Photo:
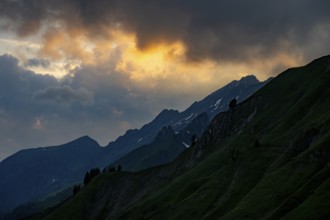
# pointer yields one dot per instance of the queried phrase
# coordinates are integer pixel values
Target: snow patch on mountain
(191, 116)
(216, 105)
(186, 119)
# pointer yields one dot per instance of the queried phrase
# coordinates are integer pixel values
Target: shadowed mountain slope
(166, 146)
(34, 173)
(267, 158)
(212, 104)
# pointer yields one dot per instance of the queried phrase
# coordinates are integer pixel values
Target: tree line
(89, 175)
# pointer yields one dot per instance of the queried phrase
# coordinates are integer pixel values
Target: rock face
(163, 149)
(179, 122)
(267, 158)
(166, 146)
(212, 105)
(165, 133)
(133, 139)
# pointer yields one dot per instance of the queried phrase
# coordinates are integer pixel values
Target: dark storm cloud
(212, 29)
(17, 84)
(17, 109)
(35, 62)
(38, 110)
(101, 102)
(64, 95)
(114, 94)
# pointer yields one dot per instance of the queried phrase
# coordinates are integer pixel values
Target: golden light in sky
(149, 67)
(156, 64)
(161, 66)
(139, 57)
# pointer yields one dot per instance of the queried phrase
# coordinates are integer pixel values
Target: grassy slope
(151, 154)
(285, 176)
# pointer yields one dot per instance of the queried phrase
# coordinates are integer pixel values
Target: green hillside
(268, 158)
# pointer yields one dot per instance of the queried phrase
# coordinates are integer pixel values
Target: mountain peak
(84, 140)
(167, 111)
(244, 81)
(166, 116)
(249, 79)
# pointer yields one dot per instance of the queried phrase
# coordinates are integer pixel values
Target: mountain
(34, 208)
(162, 150)
(218, 101)
(212, 105)
(133, 139)
(39, 172)
(166, 146)
(34, 173)
(266, 158)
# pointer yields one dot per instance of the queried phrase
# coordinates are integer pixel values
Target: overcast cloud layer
(123, 61)
(38, 110)
(221, 30)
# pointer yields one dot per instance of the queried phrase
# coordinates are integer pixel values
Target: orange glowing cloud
(160, 65)
(154, 62)
(66, 44)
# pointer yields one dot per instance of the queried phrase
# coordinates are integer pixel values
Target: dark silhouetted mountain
(27, 210)
(166, 146)
(163, 149)
(133, 139)
(34, 173)
(266, 158)
(41, 171)
(218, 101)
(212, 105)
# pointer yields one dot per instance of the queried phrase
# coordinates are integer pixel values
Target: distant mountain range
(33, 174)
(192, 121)
(212, 105)
(266, 158)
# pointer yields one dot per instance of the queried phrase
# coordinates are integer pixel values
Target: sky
(70, 68)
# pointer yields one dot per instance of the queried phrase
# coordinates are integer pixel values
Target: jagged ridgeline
(265, 158)
(50, 170)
